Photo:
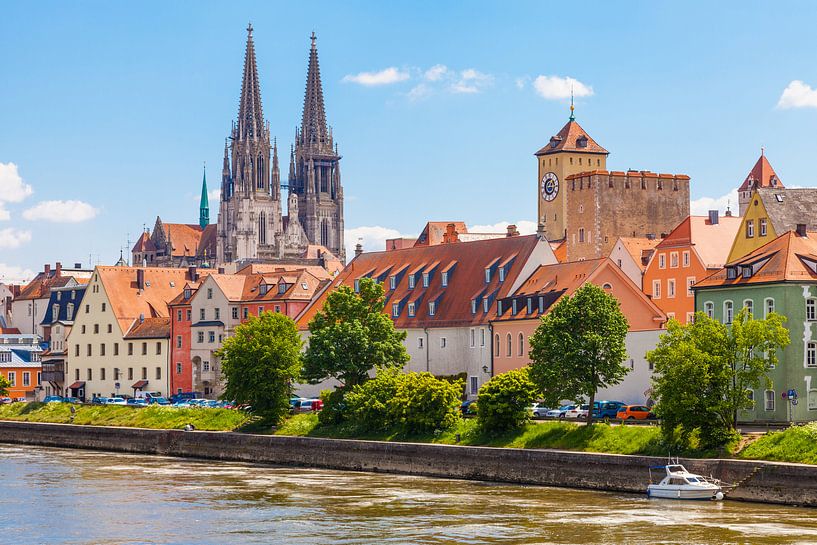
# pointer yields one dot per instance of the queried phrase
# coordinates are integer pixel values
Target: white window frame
(395, 310)
(750, 305)
(763, 226)
(486, 304)
(811, 399)
(811, 309)
(473, 385)
(673, 260)
(811, 354)
(690, 282)
(392, 282)
(411, 310)
(728, 312)
(685, 258)
(767, 398)
(444, 279)
(662, 261)
(419, 342)
(473, 337)
(411, 281)
(670, 288)
(768, 306)
(750, 228)
(656, 289)
(432, 308)
(426, 279)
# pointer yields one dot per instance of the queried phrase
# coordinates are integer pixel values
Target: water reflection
(82, 497)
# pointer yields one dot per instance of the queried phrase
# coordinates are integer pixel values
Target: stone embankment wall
(793, 484)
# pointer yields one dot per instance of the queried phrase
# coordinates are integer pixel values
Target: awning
(139, 384)
(77, 385)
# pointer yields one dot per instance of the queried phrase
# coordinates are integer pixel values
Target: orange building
(698, 247)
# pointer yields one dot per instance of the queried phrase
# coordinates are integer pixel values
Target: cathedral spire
(250, 114)
(275, 182)
(204, 207)
(313, 123)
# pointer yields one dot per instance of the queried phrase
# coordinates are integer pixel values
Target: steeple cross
(249, 28)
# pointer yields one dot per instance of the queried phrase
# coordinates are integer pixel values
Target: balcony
(53, 372)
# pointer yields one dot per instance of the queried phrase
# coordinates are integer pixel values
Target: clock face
(550, 186)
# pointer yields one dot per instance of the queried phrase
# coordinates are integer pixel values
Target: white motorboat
(680, 484)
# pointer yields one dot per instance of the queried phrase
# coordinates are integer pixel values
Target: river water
(58, 496)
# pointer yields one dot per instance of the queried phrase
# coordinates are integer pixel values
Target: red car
(308, 406)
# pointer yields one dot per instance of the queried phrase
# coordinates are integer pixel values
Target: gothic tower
(249, 218)
(315, 168)
(204, 206)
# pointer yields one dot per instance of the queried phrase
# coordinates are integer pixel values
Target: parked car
(537, 410)
(579, 411)
(635, 412)
(468, 406)
(53, 399)
(308, 405)
(560, 412)
(99, 400)
(184, 396)
(74, 400)
(115, 401)
(157, 401)
(5, 400)
(606, 409)
(133, 402)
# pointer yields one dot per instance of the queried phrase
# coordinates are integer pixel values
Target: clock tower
(569, 152)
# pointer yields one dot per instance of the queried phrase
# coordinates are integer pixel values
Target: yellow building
(570, 151)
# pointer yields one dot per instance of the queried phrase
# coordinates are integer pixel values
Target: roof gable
(572, 137)
(761, 175)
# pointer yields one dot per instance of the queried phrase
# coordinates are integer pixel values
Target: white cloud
(12, 187)
(436, 72)
(13, 274)
(386, 76)
(798, 95)
(61, 212)
(701, 206)
(556, 87)
(419, 91)
(14, 238)
(373, 238)
(525, 227)
(4, 214)
(471, 81)
(521, 82)
(213, 196)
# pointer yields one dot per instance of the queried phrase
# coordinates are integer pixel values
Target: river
(59, 496)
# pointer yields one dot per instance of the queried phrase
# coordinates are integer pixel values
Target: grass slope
(796, 444)
(154, 416)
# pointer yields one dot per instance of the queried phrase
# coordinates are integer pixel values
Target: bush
(369, 404)
(504, 401)
(425, 403)
(335, 408)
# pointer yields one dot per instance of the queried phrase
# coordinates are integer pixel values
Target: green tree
(4, 386)
(579, 347)
(351, 336)
(425, 403)
(504, 401)
(260, 363)
(704, 371)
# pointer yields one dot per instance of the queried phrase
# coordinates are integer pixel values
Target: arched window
(259, 173)
(262, 228)
(768, 305)
(325, 232)
(496, 347)
(728, 311)
(709, 309)
(510, 346)
(521, 345)
(750, 306)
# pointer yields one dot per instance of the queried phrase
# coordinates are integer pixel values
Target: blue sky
(109, 109)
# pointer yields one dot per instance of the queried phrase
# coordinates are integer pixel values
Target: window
(811, 310)
(728, 311)
(246, 312)
(13, 378)
(581, 234)
(671, 288)
(444, 279)
(763, 229)
(83, 329)
(158, 348)
(770, 399)
(487, 275)
(178, 368)
(130, 349)
(205, 366)
(178, 315)
(411, 310)
(76, 350)
(145, 349)
(690, 283)
(442, 342)
(102, 349)
(110, 328)
(90, 373)
(116, 375)
(144, 373)
(768, 307)
(395, 310)
(115, 349)
(392, 282)
(178, 341)
(411, 281)
(509, 345)
(474, 385)
(103, 307)
(496, 345)
(530, 302)
(486, 303)
(102, 374)
(656, 289)
(473, 337)
(76, 374)
(234, 312)
(749, 305)
(26, 378)
(482, 336)
(686, 258)
(750, 395)
(750, 228)
(432, 308)
(673, 260)
(670, 316)
(419, 342)
(88, 350)
(425, 279)
(502, 274)
(70, 311)
(662, 261)
(211, 336)
(96, 329)
(811, 354)
(189, 314)
(357, 286)
(690, 317)
(209, 293)
(202, 314)
(473, 306)
(158, 373)
(521, 345)
(218, 313)
(260, 310)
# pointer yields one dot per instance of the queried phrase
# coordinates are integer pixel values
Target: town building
(7, 294)
(119, 343)
(20, 363)
(250, 221)
(762, 175)
(443, 232)
(181, 314)
(698, 247)
(632, 255)
(770, 213)
(518, 314)
(56, 325)
(780, 276)
(29, 307)
(443, 297)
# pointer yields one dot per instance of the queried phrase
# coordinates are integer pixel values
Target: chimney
(358, 249)
(512, 231)
(713, 217)
(47, 269)
(191, 271)
(77, 265)
(220, 270)
(140, 279)
(59, 269)
(650, 236)
(801, 229)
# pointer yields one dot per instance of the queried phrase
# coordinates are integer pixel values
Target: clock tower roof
(574, 138)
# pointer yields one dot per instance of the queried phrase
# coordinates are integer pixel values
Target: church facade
(251, 223)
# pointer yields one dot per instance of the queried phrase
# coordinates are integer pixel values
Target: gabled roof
(454, 300)
(788, 258)
(559, 248)
(149, 328)
(144, 244)
(761, 175)
(42, 284)
(640, 249)
(711, 241)
(788, 207)
(570, 138)
(231, 285)
(434, 232)
(62, 298)
(273, 268)
(185, 239)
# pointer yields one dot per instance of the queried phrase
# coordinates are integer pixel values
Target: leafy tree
(704, 371)
(369, 404)
(4, 386)
(504, 400)
(579, 347)
(260, 363)
(425, 403)
(351, 336)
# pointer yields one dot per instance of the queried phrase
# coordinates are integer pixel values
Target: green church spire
(204, 207)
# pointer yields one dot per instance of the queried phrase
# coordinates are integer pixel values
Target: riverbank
(768, 482)
(154, 416)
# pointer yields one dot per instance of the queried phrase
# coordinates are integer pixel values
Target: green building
(781, 277)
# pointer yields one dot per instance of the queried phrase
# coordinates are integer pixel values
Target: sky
(109, 110)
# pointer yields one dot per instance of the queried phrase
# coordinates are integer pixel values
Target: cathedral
(251, 224)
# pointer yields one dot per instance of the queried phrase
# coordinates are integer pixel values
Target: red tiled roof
(454, 305)
(712, 242)
(149, 328)
(184, 238)
(272, 268)
(143, 244)
(640, 249)
(568, 139)
(40, 287)
(762, 175)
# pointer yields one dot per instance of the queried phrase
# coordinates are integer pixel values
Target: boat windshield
(676, 469)
(692, 480)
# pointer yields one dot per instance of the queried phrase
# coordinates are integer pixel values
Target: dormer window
(747, 271)
(499, 307)
(411, 310)
(425, 279)
(485, 304)
(392, 282)
(488, 275)
(411, 281)
(513, 307)
(530, 305)
(432, 308)
(731, 273)
(187, 293)
(473, 306)
(282, 288)
(581, 141)
(502, 274)
(395, 310)
(262, 289)
(444, 279)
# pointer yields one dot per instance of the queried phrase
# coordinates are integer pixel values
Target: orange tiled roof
(434, 231)
(272, 268)
(569, 139)
(761, 175)
(788, 258)
(150, 328)
(559, 248)
(184, 238)
(465, 280)
(232, 285)
(143, 244)
(712, 242)
(40, 287)
(640, 249)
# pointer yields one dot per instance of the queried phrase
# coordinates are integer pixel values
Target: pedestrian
(73, 413)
